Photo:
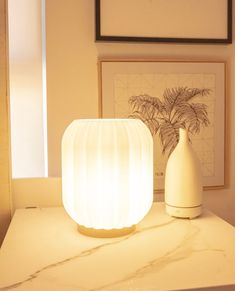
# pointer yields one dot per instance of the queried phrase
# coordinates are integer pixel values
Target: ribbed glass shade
(107, 172)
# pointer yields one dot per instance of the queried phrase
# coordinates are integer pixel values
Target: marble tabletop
(43, 251)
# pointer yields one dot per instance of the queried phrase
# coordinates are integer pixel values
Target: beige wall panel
(71, 70)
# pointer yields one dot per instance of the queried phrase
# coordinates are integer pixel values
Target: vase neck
(183, 135)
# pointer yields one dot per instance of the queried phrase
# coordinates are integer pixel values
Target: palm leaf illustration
(147, 109)
(194, 115)
(175, 110)
(146, 104)
(169, 136)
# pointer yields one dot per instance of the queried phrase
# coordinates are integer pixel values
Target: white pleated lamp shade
(107, 172)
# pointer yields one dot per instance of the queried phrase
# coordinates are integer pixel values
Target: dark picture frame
(107, 28)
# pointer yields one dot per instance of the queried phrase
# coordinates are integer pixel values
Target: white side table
(44, 252)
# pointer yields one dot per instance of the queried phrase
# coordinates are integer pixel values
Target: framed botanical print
(167, 95)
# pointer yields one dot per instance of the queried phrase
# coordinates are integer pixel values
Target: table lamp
(107, 175)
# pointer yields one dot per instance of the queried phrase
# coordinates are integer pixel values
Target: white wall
(73, 83)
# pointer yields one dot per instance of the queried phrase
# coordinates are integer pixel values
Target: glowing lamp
(107, 174)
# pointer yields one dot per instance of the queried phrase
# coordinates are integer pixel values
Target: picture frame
(148, 21)
(129, 87)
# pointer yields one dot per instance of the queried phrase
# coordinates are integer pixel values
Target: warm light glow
(27, 82)
(107, 172)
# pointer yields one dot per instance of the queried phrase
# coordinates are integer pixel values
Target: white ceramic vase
(183, 180)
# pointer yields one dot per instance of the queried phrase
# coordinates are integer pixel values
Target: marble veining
(164, 253)
(87, 253)
(180, 252)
